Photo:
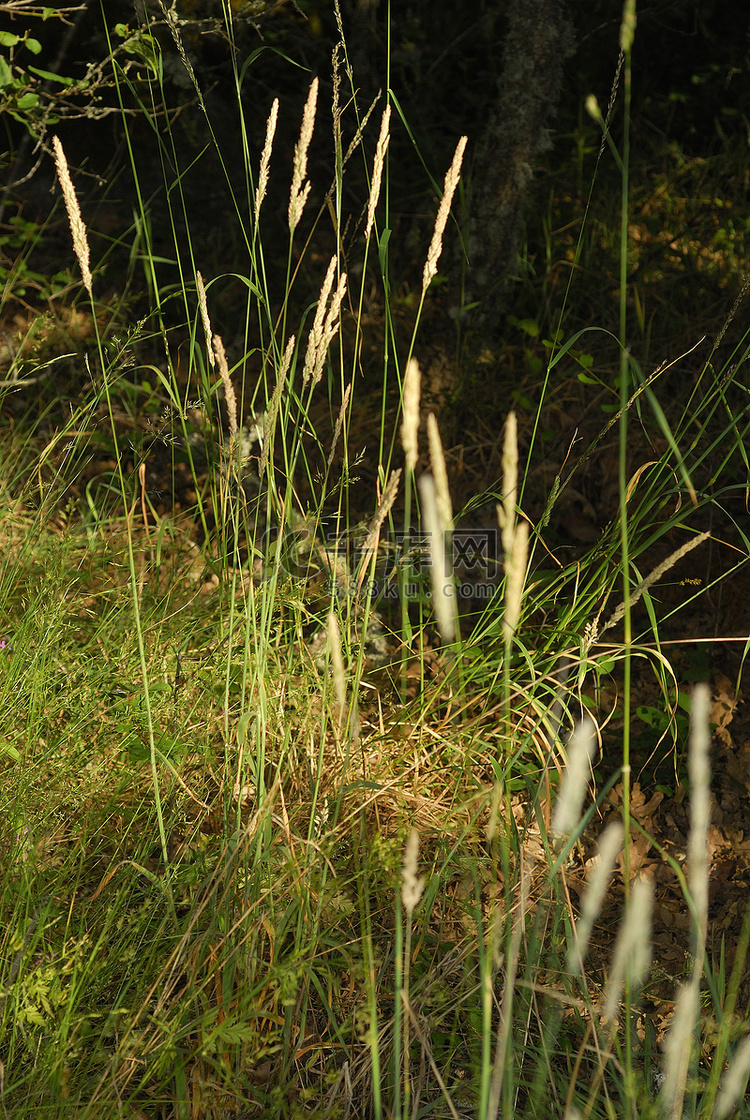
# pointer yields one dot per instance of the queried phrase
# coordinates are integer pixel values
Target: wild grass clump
(273, 847)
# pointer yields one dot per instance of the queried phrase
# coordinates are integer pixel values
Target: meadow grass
(246, 873)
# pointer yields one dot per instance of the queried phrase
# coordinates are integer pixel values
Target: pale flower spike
(449, 189)
(337, 664)
(315, 338)
(580, 752)
(602, 865)
(299, 192)
(77, 227)
(410, 422)
(203, 305)
(632, 957)
(377, 168)
(440, 570)
(515, 577)
(507, 511)
(699, 772)
(229, 394)
(412, 885)
(265, 158)
(440, 473)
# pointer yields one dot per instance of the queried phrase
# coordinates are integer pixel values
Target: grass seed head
(377, 168)
(515, 577)
(339, 424)
(410, 422)
(229, 394)
(203, 306)
(441, 576)
(610, 843)
(449, 189)
(581, 748)
(735, 1081)
(299, 192)
(699, 771)
(331, 326)
(412, 885)
(370, 543)
(337, 664)
(678, 1046)
(439, 473)
(265, 158)
(632, 956)
(506, 513)
(77, 227)
(325, 325)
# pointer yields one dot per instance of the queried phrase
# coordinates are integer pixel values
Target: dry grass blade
(273, 407)
(653, 577)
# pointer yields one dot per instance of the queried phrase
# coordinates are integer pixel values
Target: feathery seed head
(77, 227)
(410, 422)
(581, 748)
(610, 843)
(507, 512)
(515, 577)
(203, 306)
(699, 771)
(298, 194)
(315, 338)
(377, 168)
(337, 664)
(439, 473)
(325, 325)
(412, 885)
(265, 158)
(678, 1046)
(632, 956)
(229, 394)
(440, 573)
(449, 188)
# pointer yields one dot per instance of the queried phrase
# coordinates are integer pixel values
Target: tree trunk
(538, 41)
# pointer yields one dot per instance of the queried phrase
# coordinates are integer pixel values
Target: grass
(249, 872)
